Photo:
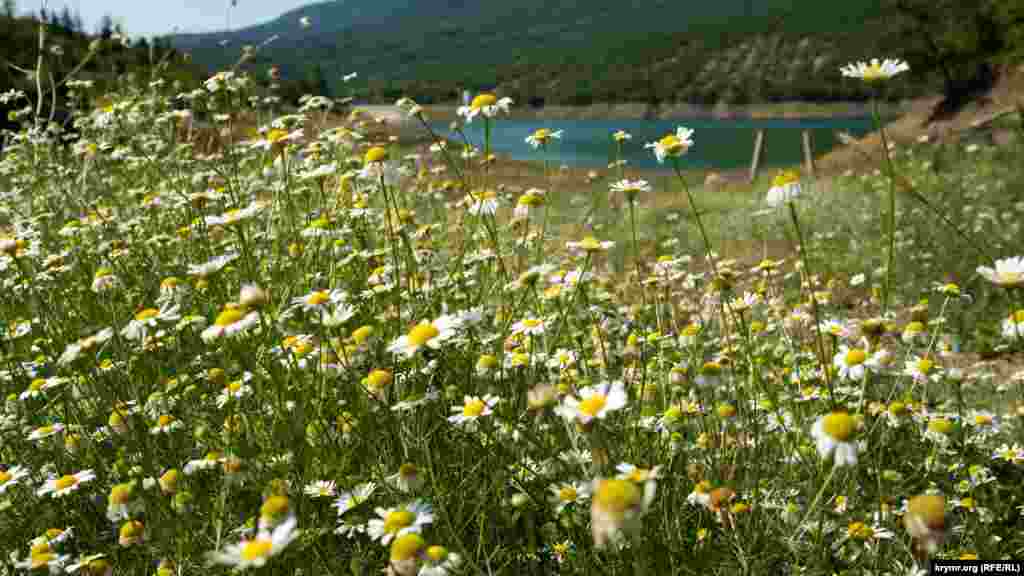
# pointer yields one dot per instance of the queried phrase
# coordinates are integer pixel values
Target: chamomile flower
(851, 362)
(487, 104)
(834, 434)
(320, 489)
(395, 522)
(921, 369)
(593, 402)
(1013, 327)
(87, 344)
(432, 334)
(529, 326)
(1008, 273)
(631, 188)
(482, 202)
(615, 510)
(438, 561)
(407, 479)
(590, 244)
(621, 136)
(875, 71)
(11, 477)
(232, 321)
(212, 266)
(64, 485)
(925, 520)
(542, 136)
(256, 552)
(785, 187)
(567, 494)
(672, 145)
(472, 409)
(148, 320)
(46, 431)
(349, 500)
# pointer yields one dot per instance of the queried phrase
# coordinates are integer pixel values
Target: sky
(156, 17)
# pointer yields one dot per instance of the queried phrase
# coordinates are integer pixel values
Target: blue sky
(153, 17)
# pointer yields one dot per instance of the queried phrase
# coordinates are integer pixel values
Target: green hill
(572, 52)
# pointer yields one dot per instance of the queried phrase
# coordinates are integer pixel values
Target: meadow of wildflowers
(305, 353)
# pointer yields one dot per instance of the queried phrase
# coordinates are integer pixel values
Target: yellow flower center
(855, 357)
(473, 408)
(786, 177)
(930, 509)
(254, 549)
(839, 425)
(897, 408)
(395, 521)
(37, 384)
(482, 100)
(317, 298)
(860, 531)
(5, 477)
(379, 378)
(361, 334)
(593, 404)
(940, 426)
(276, 135)
(235, 386)
(726, 410)
(376, 154)
(274, 506)
(120, 494)
(590, 244)
(406, 547)
(567, 494)
(616, 496)
(437, 553)
(532, 322)
(42, 559)
(66, 482)
(422, 334)
(228, 317)
(671, 144)
(924, 365)
(487, 362)
(165, 420)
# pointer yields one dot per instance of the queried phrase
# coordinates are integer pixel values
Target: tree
(105, 29)
(10, 8)
(958, 40)
(66, 21)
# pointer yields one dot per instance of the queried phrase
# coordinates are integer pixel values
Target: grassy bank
(300, 349)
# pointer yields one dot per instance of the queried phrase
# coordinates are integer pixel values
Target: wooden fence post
(808, 154)
(758, 146)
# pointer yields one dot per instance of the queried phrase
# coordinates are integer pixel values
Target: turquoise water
(719, 144)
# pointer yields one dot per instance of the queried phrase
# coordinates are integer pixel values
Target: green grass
(419, 354)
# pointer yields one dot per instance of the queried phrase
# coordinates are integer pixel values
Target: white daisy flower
(394, 522)
(430, 334)
(320, 489)
(529, 326)
(46, 431)
(542, 136)
(593, 402)
(487, 104)
(568, 493)
(631, 188)
(851, 362)
(673, 145)
(482, 202)
(472, 409)
(1013, 327)
(230, 322)
(349, 500)
(10, 477)
(875, 70)
(215, 265)
(148, 320)
(58, 487)
(1007, 273)
(833, 433)
(256, 552)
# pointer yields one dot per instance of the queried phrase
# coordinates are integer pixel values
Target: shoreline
(683, 111)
